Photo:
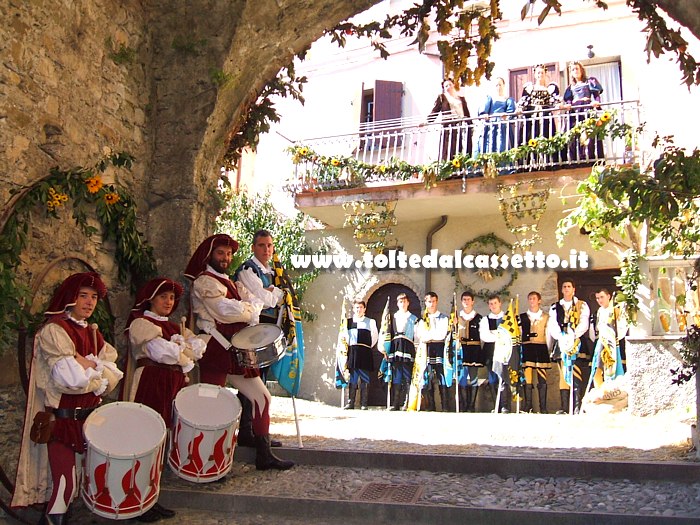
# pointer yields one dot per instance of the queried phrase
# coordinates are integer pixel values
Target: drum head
(207, 406)
(124, 430)
(259, 336)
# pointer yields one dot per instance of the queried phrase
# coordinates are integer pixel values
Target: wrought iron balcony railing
(401, 150)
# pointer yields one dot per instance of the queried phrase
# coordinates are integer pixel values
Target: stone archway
(375, 308)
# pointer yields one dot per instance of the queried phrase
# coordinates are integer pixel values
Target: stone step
(375, 508)
(503, 466)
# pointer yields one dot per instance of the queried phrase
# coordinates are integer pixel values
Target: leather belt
(76, 414)
(145, 361)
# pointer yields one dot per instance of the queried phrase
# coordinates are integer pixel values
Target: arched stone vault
(249, 41)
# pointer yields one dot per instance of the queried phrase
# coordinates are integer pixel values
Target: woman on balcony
(498, 133)
(453, 108)
(581, 96)
(538, 101)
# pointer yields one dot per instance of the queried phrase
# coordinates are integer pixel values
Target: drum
(203, 437)
(123, 461)
(259, 346)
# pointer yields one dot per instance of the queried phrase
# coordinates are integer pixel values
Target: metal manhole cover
(390, 493)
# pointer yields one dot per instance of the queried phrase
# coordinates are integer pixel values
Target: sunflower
(456, 163)
(303, 150)
(335, 162)
(532, 143)
(605, 117)
(94, 184)
(111, 198)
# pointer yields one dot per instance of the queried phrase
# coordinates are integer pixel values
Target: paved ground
(620, 437)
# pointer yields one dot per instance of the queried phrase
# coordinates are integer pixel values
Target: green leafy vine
(487, 244)
(112, 205)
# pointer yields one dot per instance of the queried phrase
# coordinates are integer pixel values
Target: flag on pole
(385, 370)
(507, 334)
(342, 374)
(287, 370)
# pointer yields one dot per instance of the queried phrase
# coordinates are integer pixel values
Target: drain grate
(390, 493)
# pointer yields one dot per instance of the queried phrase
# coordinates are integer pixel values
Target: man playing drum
(163, 354)
(258, 277)
(73, 368)
(223, 308)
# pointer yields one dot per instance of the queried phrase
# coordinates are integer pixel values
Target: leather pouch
(42, 427)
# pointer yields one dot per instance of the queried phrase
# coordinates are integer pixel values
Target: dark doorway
(375, 307)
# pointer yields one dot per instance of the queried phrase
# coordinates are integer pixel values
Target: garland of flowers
(114, 208)
(489, 243)
(334, 172)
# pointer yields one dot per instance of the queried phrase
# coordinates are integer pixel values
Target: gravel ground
(619, 437)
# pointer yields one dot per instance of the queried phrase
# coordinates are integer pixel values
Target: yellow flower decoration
(55, 199)
(94, 184)
(382, 168)
(599, 122)
(605, 117)
(111, 198)
(303, 151)
(456, 163)
(335, 162)
(532, 143)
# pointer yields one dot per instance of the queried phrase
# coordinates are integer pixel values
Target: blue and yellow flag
(288, 369)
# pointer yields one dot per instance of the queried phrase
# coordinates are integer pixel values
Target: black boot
(577, 399)
(471, 406)
(363, 396)
(429, 397)
(527, 406)
(542, 395)
(165, 513)
(53, 519)
(396, 397)
(351, 398)
(246, 438)
(265, 459)
(564, 395)
(444, 398)
(464, 398)
(403, 395)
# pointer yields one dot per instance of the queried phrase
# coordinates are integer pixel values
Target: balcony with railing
(412, 150)
(459, 165)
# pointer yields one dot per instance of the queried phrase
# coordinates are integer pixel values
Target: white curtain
(608, 74)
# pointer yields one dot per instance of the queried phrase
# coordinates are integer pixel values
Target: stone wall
(649, 362)
(164, 81)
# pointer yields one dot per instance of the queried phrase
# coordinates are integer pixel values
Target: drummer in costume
(535, 352)
(568, 325)
(472, 360)
(487, 332)
(362, 337)
(73, 368)
(608, 330)
(433, 330)
(402, 351)
(223, 308)
(258, 277)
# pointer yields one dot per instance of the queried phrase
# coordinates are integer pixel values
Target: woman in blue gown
(581, 96)
(498, 132)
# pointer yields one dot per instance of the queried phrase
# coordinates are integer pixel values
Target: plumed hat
(200, 258)
(67, 294)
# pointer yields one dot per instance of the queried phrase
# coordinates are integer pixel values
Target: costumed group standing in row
(74, 368)
(500, 357)
(539, 108)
